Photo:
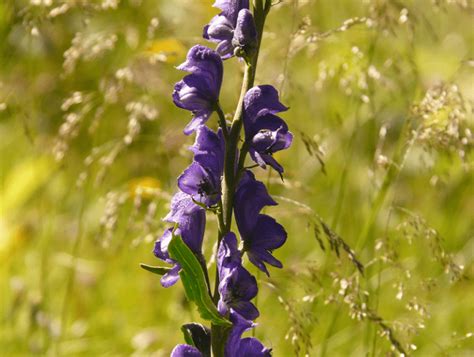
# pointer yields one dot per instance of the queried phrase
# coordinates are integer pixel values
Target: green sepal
(194, 281)
(155, 270)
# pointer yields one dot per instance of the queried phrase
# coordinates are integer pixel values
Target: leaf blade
(194, 281)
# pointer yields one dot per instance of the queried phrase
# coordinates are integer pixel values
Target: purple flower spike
(237, 346)
(237, 286)
(198, 92)
(261, 233)
(265, 133)
(202, 179)
(185, 351)
(233, 28)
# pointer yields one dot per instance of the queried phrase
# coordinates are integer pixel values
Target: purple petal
(171, 277)
(267, 234)
(269, 160)
(230, 8)
(191, 220)
(199, 183)
(246, 309)
(236, 289)
(240, 326)
(228, 255)
(255, 156)
(219, 28)
(251, 347)
(194, 94)
(198, 120)
(206, 65)
(245, 33)
(251, 196)
(248, 347)
(185, 351)
(225, 49)
(161, 246)
(258, 101)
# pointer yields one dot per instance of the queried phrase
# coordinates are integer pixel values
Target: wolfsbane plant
(217, 182)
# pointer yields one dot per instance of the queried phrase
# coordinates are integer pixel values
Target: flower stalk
(217, 182)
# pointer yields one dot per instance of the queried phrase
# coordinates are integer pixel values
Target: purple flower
(233, 28)
(237, 346)
(185, 351)
(191, 220)
(261, 233)
(237, 286)
(198, 92)
(265, 133)
(202, 179)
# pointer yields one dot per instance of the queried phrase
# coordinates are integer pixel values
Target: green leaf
(155, 270)
(194, 281)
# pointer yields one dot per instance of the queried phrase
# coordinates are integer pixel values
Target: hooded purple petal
(185, 351)
(199, 91)
(205, 62)
(258, 101)
(251, 196)
(245, 34)
(265, 133)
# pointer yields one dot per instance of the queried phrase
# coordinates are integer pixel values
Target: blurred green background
(381, 171)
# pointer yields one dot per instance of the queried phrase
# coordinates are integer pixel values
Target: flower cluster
(201, 188)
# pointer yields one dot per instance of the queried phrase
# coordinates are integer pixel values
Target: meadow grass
(377, 197)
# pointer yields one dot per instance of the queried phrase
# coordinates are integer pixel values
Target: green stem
(222, 121)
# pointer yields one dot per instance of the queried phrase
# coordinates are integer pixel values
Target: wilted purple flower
(261, 233)
(185, 351)
(237, 286)
(265, 133)
(202, 179)
(237, 346)
(233, 28)
(191, 220)
(198, 92)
